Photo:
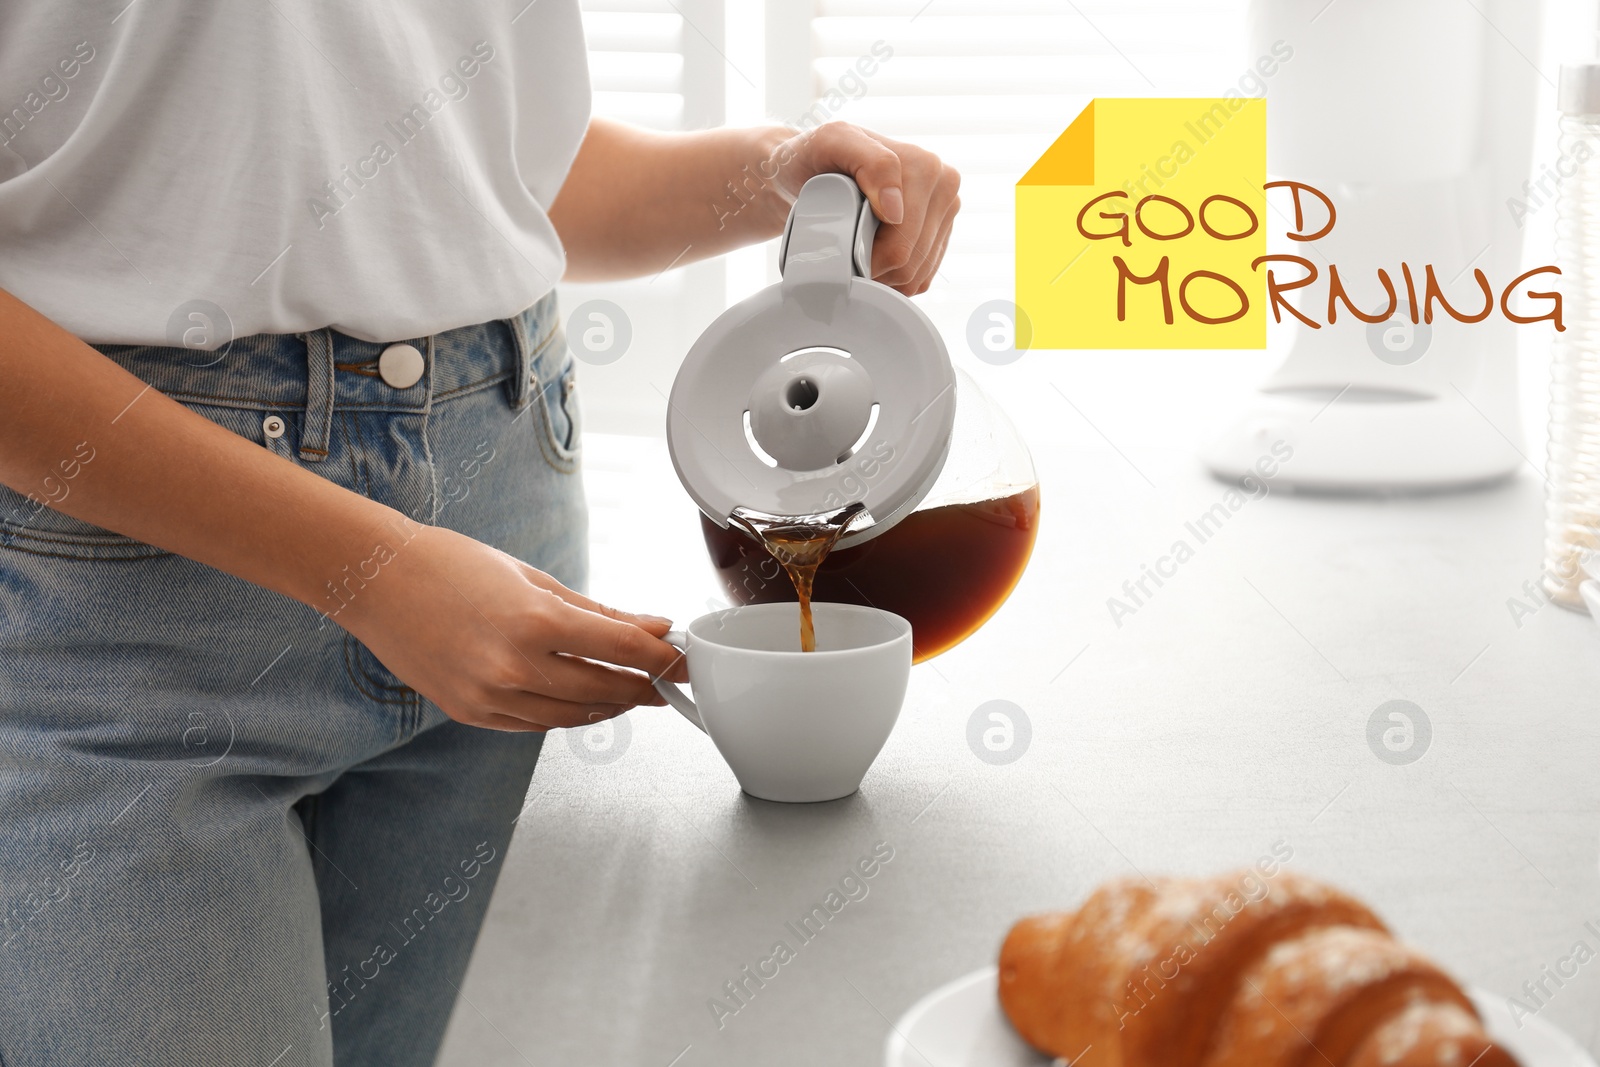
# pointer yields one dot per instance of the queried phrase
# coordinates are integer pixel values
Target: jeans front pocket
(30, 521)
(563, 424)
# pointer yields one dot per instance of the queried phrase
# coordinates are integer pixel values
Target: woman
(293, 529)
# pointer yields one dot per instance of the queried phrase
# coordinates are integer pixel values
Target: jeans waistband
(324, 371)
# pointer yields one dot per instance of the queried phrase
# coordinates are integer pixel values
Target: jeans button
(401, 366)
(272, 426)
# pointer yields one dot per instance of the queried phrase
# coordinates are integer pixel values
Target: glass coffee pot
(825, 409)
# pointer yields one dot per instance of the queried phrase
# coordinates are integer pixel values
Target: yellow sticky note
(1139, 225)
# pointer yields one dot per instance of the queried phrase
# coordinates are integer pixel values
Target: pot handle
(675, 695)
(828, 236)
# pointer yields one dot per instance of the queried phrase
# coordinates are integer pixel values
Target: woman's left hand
(912, 191)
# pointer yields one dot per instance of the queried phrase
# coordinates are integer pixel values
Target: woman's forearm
(637, 202)
(162, 473)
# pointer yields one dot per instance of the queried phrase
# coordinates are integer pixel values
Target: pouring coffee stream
(800, 544)
(812, 419)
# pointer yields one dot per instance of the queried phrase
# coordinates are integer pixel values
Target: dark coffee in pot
(945, 569)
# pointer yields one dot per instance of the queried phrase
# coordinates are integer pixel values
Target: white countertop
(1231, 711)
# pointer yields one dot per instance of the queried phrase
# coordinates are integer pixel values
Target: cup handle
(675, 695)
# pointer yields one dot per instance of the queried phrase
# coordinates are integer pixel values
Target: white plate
(961, 1025)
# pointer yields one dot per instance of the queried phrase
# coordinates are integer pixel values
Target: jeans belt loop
(522, 373)
(319, 396)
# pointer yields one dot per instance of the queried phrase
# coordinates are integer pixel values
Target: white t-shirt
(381, 168)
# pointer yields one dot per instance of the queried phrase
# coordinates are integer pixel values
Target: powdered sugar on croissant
(1232, 971)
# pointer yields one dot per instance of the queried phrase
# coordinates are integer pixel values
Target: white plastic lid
(1579, 90)
(822, 390)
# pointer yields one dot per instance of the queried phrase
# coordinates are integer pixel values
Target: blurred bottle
(1572, 466)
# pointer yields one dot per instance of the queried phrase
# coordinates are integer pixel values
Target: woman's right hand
(499, 644)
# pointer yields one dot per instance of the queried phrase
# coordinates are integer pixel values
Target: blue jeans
(228, 834)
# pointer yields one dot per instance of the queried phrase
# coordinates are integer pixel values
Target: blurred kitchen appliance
(1417, 119)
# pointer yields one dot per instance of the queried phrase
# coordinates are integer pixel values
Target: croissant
(1233, 971)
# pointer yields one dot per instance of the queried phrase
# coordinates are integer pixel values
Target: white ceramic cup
(795, 726)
